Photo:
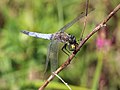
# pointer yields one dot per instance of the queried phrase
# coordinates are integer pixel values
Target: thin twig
(67, 62)
(62, 80)
(85, 20)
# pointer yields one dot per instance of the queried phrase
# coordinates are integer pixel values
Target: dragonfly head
(72, 44)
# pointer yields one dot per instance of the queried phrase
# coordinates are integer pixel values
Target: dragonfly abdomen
(38, 35)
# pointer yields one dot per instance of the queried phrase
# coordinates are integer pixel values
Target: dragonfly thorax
(68, 39)
(61, 37)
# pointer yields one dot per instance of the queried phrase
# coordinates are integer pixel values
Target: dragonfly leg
(64, 49)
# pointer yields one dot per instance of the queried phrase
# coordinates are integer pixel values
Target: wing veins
(68, 25)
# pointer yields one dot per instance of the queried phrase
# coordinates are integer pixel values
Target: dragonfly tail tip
(24, 31)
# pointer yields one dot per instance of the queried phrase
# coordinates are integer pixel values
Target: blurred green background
(22, 58)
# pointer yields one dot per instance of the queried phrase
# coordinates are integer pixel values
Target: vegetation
(22, 58)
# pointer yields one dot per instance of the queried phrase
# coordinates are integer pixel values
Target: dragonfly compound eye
(72, 39)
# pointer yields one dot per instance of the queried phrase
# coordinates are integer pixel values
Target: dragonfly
(68, 40)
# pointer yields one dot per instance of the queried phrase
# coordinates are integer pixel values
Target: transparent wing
(37, 35)
(52, 55)
(73, 21)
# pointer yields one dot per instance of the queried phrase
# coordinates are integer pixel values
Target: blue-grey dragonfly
(60, 36)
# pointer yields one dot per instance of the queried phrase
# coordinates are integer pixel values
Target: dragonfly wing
(74, 21)
(52, 55)
(37, 35)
